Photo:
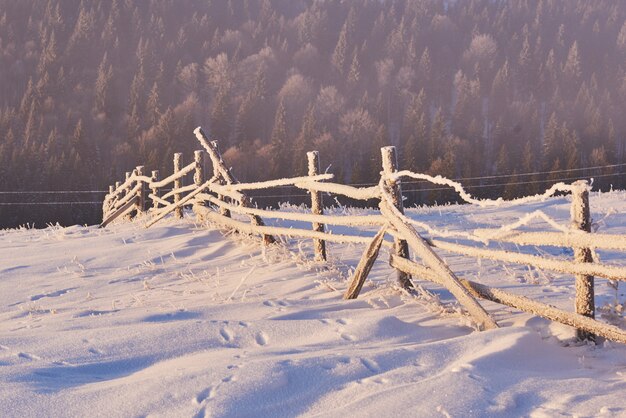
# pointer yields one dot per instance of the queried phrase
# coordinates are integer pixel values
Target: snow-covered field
(182, 320)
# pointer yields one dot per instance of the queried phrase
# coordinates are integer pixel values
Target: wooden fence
(217, 198)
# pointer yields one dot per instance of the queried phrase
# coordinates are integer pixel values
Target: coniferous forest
(509, 96)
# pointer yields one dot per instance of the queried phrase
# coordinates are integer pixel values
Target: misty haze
(318, 208)
(467, 89)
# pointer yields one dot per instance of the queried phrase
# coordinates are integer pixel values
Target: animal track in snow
(28, 356)
(208, 393)
(370, 365)
(226, 334)
(261, 339)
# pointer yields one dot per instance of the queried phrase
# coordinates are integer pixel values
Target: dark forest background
(475, 88)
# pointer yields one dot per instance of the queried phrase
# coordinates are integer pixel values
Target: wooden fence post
(155, 190)
(390, 166)
(581, 220)
(141, 202)
(198, 176)
(178, 183)
(216, 172)
(127, 175)
(106, 205)
(317, 206)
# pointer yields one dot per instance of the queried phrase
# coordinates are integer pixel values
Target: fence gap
(581, 221)
(178, 183)
(317, 205)
(390, 166)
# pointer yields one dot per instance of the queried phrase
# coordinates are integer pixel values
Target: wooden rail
(217, 199)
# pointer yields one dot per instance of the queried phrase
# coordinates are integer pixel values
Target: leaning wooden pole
(365, 265)
(581, 221)
(317, 205)
(390, 166)
(432, 260)
(178, 183)
(220, 169)
(522, 303)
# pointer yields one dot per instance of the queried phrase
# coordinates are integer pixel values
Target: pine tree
(279, 143)
(354, 75)
(153, 105)
(102, 86)
(572, 68)
(338, 59)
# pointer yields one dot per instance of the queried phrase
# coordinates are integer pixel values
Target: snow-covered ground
(182, 320)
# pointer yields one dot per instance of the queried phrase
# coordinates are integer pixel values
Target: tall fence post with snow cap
(127, 176)
(317, 206)
(178, 183)
(390, 166)
(581, 221)
(198, 176)
(155, 190)
(141, 194)
(216, 172)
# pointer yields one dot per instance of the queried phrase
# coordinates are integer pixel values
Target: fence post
(127, 175)
(141, 202)
(317, 205)
(155, 190)
(106, 205)
(581, 220)
(178, 183)
(390, 166)
(198, 176)
(216, 172)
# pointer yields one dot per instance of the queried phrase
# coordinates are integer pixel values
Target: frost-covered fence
(222, 201)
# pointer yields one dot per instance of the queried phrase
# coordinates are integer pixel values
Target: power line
(48, 203)
(53, 191)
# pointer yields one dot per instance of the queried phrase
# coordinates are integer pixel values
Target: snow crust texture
(179, 320)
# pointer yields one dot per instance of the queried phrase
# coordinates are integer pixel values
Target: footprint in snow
(348, 337)
(343, 321)
(28, 356)
(370, 365)
(261, 339)
(226, 334)
(206, 394)
(228, 379)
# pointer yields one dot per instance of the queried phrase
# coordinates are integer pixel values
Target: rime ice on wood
(365, 265)
(428, 256)
(317, 205)
(220, 169)
(581, 220)
(198, 158)
(519, 302)
(154, 189)
(390, 168)
(141, 202)
(178, 183)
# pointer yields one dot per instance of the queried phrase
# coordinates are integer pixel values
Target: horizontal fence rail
(222, 201)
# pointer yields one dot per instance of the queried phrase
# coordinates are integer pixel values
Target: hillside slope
(182, 320)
